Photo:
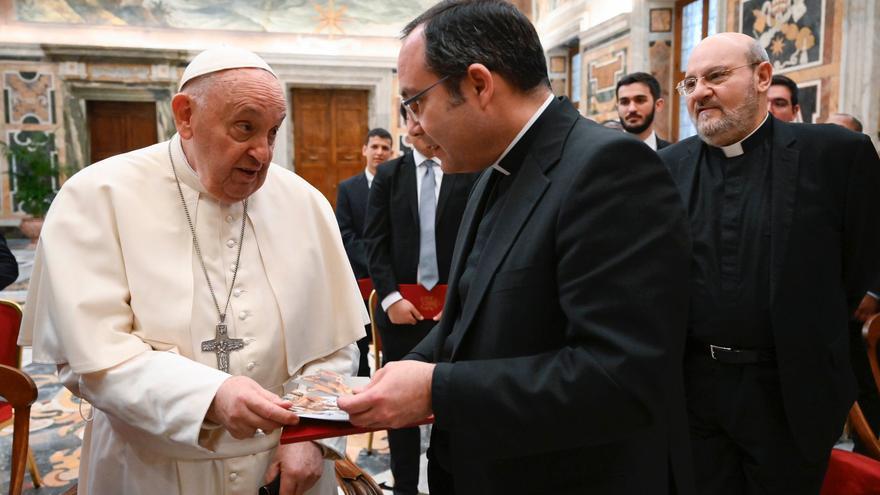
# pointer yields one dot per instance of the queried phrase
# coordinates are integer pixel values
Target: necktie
(428, 275)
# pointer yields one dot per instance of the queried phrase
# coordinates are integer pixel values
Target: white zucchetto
(222, 58)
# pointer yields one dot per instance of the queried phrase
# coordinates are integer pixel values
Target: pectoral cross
(222, 345)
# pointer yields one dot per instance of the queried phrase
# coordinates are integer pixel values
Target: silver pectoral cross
(222, 345)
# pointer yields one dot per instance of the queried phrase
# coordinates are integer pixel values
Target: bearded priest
(178, 288)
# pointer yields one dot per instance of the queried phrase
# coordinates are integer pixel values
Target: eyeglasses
(411, 104)
(687, 85)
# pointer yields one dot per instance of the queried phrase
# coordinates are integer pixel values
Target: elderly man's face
(724, 110)
(232, 133)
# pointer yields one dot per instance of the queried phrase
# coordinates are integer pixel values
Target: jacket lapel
(684, 172)
(408, 181)
(468, 226)
(527, 188)
(784, 175)
(446, 186)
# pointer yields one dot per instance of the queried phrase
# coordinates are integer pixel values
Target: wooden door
(119, 126)
(329, 127)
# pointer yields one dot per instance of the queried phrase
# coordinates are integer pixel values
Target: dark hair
(788, 83)
(640, 77)
(378, 132)
(494, 33)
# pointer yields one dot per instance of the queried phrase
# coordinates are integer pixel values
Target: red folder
(366, 287)
(429, 303)
(315, 429)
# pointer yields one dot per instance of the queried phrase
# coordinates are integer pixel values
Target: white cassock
(118, 300)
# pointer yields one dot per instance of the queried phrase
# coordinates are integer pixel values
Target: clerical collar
(185, 172)
(420, 158)
(522, 133)
(747, 143)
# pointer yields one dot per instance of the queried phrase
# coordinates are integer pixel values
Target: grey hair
(756, 53)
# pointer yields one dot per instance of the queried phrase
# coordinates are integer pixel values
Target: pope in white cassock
(179, 286)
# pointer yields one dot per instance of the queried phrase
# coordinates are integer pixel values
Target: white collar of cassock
(522, 132)
(185, 171)
(736, 149)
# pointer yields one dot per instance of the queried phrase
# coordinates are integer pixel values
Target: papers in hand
(314, 396)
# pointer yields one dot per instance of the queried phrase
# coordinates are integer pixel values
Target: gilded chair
(20, 392)
(377, 349)
(857, 421)
(10, 355)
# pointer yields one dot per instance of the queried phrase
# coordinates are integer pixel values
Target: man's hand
(867, 308)
(399, 395)
(403, 312)
(241, 405)
(300, 466)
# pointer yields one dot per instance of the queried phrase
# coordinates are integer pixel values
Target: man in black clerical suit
(784, 248)
(351, 212)
(556, 367)
(412, 219)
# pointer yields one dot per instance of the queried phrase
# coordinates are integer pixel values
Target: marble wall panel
(29, 98)
(602, 72)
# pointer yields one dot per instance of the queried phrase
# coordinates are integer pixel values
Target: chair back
(10, 322)
(20, 391)
(871, 332)
(377, 339)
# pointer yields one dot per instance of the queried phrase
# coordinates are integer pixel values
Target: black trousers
(364, 346)
(405, 443)
(741, 439)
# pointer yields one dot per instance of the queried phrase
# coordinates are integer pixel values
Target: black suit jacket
(8, 265)
(565, 371)
(823, 249)
(392, 229)
(661, 143)
(351, 211)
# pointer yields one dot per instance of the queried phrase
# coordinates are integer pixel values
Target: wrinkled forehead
(713, 53)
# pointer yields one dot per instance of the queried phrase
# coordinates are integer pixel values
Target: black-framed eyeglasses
(687, 85)
(411, 104)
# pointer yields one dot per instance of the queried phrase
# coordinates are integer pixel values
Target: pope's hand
(241, 405)
(403, 312)
(399, 395)
(300, 465)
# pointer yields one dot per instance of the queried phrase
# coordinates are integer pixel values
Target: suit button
(237, 292)
(230, 243)
(233, 476)
(243, 315)
(251, 365)
(229, 219)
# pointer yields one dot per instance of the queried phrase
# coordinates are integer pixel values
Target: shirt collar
(369, 177)
(522, 133)
(420, 158)
(185, 172)
(736, 149)
(651, 140)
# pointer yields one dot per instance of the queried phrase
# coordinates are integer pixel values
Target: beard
(638, 128)
(721, 131)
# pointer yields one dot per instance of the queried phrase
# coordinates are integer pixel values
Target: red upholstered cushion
(5, 411)
(851, 474)
(10, 320)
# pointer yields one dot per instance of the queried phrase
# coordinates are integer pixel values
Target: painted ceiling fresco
(328, 17)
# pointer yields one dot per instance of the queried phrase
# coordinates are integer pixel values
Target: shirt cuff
(873, 294)
(390, 299)
(441, 403)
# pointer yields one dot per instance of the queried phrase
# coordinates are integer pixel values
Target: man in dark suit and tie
(638, 101)
(784, 248)
(412, 219)
(556, 365)
(351, 212)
